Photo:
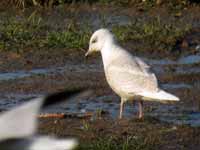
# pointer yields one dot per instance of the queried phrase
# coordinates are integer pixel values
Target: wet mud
(27, 75)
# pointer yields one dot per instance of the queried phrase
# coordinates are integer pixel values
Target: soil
(77, 71)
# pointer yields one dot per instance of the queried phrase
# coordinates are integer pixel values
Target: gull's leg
(121, 108)
(133, 102)
(140, 109)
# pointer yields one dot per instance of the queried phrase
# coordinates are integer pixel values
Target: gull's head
(98, 40)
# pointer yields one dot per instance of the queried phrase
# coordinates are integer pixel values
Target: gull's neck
(109, 52)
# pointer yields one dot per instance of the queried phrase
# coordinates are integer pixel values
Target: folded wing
(131, 75)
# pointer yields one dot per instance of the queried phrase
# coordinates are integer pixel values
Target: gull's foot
(120, 116)
(141, 116)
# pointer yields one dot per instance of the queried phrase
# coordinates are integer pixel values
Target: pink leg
(121, 109)
(140, 109)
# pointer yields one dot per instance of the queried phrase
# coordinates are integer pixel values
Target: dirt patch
(65, 67)
(150, 133)
(30, 46)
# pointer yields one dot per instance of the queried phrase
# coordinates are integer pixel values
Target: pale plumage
(18, 126)
(128, 76)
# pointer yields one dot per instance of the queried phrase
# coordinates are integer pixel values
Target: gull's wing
(134, 77)
(38, 143)
(124, 59)
(22, 121)
(131, 75)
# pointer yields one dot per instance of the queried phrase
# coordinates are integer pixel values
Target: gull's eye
(94, 40)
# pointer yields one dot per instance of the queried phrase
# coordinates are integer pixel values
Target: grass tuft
(154, 34)
(124, 143)
(20, 34)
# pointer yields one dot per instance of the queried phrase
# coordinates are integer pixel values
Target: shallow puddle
(177, 113)
(186, 60)
(109, 105)
(157, 65)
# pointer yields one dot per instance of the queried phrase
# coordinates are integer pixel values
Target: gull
(128, 76)
(18, 126)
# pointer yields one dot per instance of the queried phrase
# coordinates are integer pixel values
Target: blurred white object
(18, 126)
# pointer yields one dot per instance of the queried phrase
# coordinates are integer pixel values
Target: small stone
(174, 128)
(83, 111)
(179, 14)
(197, 48)
(55, 121)
(184, 44)
(158, 2)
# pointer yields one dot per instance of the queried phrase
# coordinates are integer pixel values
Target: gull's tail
(160, 96)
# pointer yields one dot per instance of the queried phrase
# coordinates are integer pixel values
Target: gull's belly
(118, 89)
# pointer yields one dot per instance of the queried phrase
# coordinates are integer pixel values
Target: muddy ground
(93, 120)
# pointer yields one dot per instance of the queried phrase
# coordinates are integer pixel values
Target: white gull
(128, 76)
